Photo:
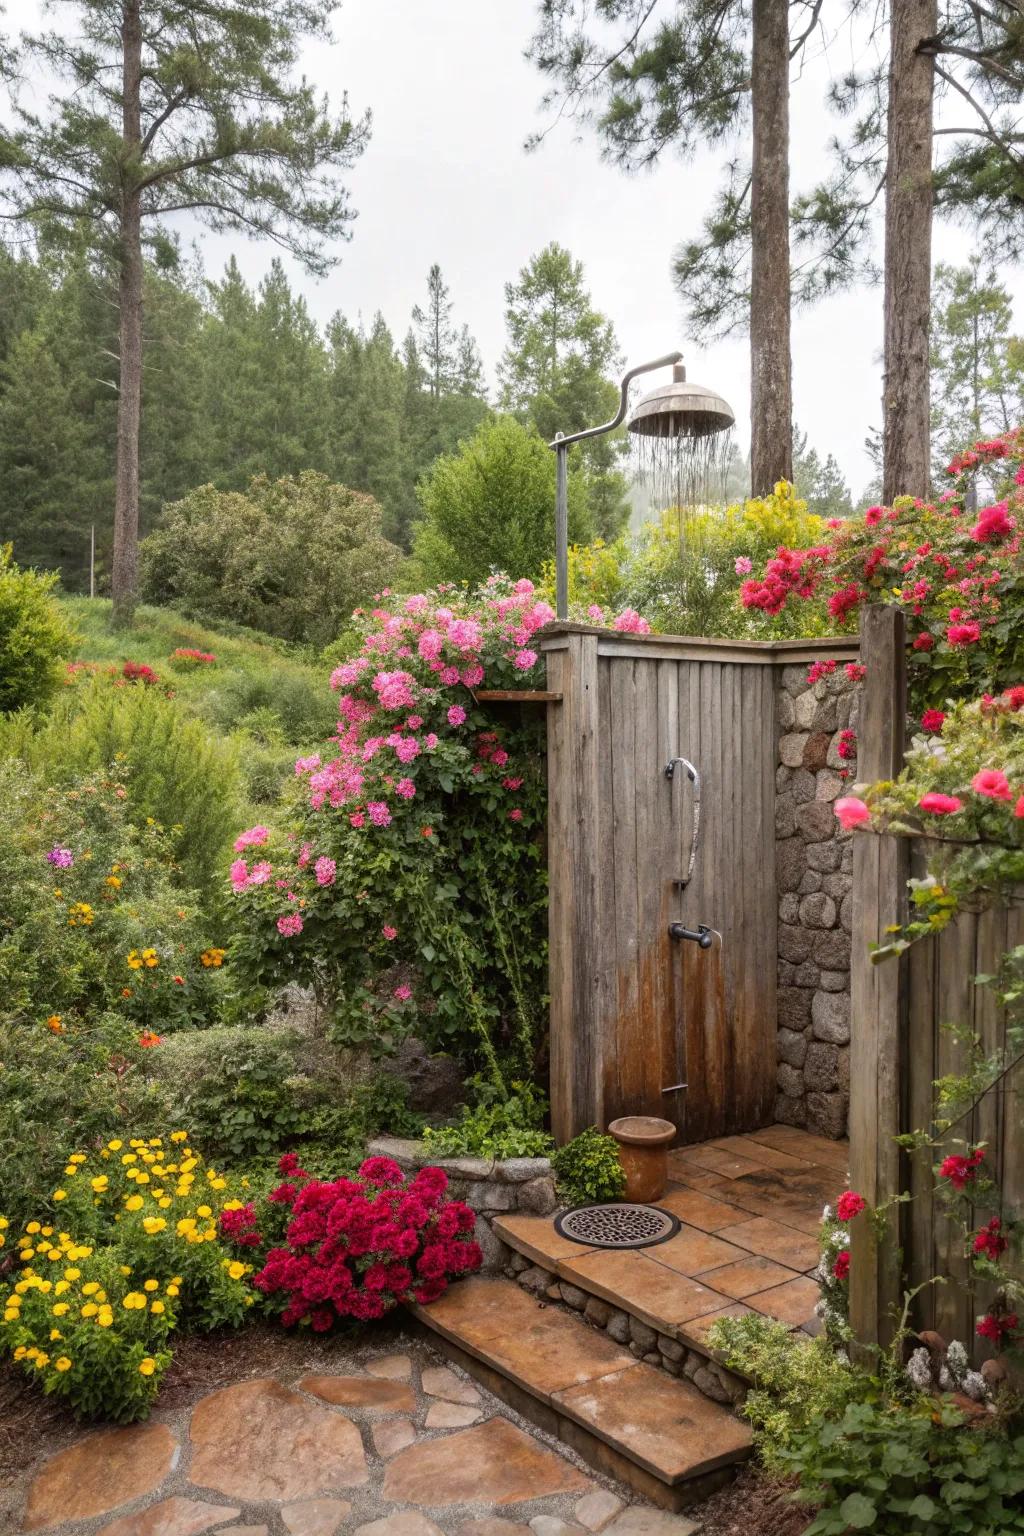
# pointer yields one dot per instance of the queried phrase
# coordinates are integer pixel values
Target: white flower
(826, 1214)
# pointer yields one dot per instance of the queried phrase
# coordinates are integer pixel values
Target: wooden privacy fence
(633, 1012)
(899, 1047)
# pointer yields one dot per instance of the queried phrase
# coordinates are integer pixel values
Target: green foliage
(977, 363)
(34, 636)
(909, 1471)
(178, 774)
(795, 1381)
(496, 1127)
(589, 1169)
(292, 556)
(491, 506)
(821, 484)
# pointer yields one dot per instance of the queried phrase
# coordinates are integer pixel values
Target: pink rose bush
(357, 1248)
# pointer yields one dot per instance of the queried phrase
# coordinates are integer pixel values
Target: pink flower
(940, 805)
(851, 812)
(523, 587)
(289, 925)
(251, 839)
(855, 671)
(239, 873)
(744, 565)
(307, 764)
(849, 1205)
(325, 870)
(389, 932)
(595, 613)
(405, 788)
(357, 820)
(873, 516)
(449, 676)
(456, 715)
(993, 784)
(430, 742)
(933, 720)
(963, 634)
(261, 873)
(961, 1171)
(994, 523)
(407, 748)
(378, 813)
(841, 1267)
(515, 814)
(523, 660)
(629, 622)
(1018, 809)
(403, 992)
(818, 670)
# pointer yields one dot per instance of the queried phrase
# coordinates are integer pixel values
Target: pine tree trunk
(129, 400)
(771, 378)
(906, 420)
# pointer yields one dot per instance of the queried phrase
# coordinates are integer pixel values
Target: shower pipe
(561, 446)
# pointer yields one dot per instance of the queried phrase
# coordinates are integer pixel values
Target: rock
(832, 951)
(573, 1297)
(706, 1381)
(493, 1525)
(554, 1292)
(599, 1313)
(805, 707)
(783, 777)
(597, 1508)
(535, 1280)
(551, 1525)
(821, 1069)
(317, 1517)
(834, 981)
(810, 882)
(794, 680)
(837, 885)
(172, 1517)
(792, 1048)
(789, 908)
(362, 1392)
(642, 1520)
(817, 911)
(538, 1196)
(436, 1082)
(843, 1068)
(826, 1114)
(828, 786)
(519, 1170)
(441, 1381)
(492, 1464)
(803, 785)
(391, 1367)
(785, 711)
(670, 1348)
(450, 1416)
(794, 943)
(98, 1473)
(846, 913)
(816, 750)
(791, 749)
(407, 1522)
(830, 1014)
(391, 1436)
(785, 816)
(259, 1441)
(790, 1111)
(825, 858)
(488, 1196)
(817, 822)
(517, 1263)
(618, 1325)
(806, 975)
(643, 1337)
(244, 1530)
(790, 863)
(790, 1081)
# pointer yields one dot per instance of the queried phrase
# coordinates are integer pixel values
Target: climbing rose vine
(957, 573)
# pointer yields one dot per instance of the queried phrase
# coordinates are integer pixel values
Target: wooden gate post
(878, 1048)
(575, 887)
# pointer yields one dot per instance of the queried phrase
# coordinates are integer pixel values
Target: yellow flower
(150, 958)
(78, 1157)
(61, 1287)
(125, 1269)
(55, 1334)
(105, 1319)
(142, 1178)
(154, 1224)
(218, 1184)
(179, 1135)
(114, 881)
(164, 1202)
(72, 1274)
(157, 1307)
(133, 960)
(115, 1145)
(20, 1352)
(147, 1366)
(11, 1315)
(59, 1194)
(130, 1157)
(63, 1364)
(90, 1309)
(203, 1210)
(40, 1361)
(99, 1184)
(151, 1285)
(134, 1302)
(172, 1290)
(236, 1270)
(186, 1225)
(4, 1223)
(90, 1288)
(33, 1227)
(133, 1203)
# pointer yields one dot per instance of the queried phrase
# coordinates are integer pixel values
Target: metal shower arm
(620, 415)
(694, 777)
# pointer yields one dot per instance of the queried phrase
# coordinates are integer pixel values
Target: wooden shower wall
(634, 1012)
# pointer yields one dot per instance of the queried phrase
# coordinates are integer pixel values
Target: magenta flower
(405, 788)
(940, 805)
(993, 784)
(261, 873)
(357, 820)
(289, 925)
(389, 932)
(239, 873)
(378, 813)
(60, 858)
(524, 660)
(325, 870)
(456, 715)
(403, 992)
(851, 812)
(744, 565)
(253, 838)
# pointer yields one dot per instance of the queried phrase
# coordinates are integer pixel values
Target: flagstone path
(346, 1442)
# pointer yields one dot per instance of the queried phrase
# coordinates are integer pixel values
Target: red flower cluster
(139, 672)
(847, 745)
(240, 1226)
(841, 1267)
(932, 721)
(789, 571)
(961, 1171)
(999, 1328)
(356, 1248)
(990, 1241)
(994, 523)
(818, 670)
(849, 1205)
(188, 653)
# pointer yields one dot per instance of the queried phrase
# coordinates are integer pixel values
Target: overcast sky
(445, 178)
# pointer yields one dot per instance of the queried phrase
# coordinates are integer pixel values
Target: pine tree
(821, 484)
(169, 108)
(368, 444)
(435, 335)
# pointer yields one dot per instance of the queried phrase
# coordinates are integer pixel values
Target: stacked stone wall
(814, 862)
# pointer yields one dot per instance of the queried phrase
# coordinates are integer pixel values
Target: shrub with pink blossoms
(357, 1248)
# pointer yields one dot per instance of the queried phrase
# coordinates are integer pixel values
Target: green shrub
(292, 556)
(794, 1380)
(589, 1169)
(915, 1470)
(496, 1127)
(289, 697)
(177, 773)
(35, 638)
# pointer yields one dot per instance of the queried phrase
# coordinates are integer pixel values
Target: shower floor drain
(617, 1225)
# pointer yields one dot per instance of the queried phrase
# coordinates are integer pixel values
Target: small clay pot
(643, 1151)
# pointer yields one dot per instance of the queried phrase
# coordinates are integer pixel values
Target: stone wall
(490, 1186)
(814, 860)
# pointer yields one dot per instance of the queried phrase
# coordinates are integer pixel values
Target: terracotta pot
(643, 1151)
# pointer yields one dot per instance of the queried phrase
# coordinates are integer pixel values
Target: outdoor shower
(684, 430)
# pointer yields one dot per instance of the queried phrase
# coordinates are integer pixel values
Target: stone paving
(385, 1442)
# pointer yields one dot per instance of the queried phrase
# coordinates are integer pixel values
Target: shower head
(680, 410)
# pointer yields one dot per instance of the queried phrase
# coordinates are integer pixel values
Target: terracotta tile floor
(750, 1208)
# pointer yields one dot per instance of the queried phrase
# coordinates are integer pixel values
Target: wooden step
(653, 1431)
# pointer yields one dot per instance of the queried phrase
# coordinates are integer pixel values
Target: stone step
(658, 1434)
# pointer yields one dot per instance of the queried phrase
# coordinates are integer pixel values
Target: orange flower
(55, 1024)
(148, 1038)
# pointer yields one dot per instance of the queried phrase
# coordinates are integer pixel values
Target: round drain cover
(617, 1225)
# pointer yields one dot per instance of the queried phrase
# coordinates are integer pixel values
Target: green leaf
(922, 1508)
(858, 1511)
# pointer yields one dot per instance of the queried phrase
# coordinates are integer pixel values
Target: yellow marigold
(232, 1205)
(11, 1314)
(203, 1210)
(179, 1135)
(72, 1274)
(55, 1024)
(78, 1157)
(61, 1287)
(186, 1225)
(105, 1319)
(90, 1288)
(147, 1366)
(55, 1334)
(125, 1269)
(142, 1178)
(172, 1290)
(134, 961)
(20, 1352)
(4, 1223)
(90, 1309)
(154, 1224)
(115, 1145)
(157, 1307)
(34, 1227)
(150, 958)
(133, 1203)
(134, 1302)
(236, 1270)
(63, 1364)
(100, 1183)
(41, 1361)
(59, 1194)
(114, 881)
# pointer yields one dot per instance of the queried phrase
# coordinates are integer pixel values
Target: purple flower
(61, 858)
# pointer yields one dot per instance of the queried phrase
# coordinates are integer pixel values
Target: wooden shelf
(516, 696)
